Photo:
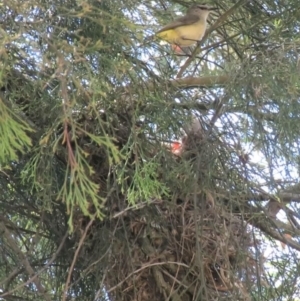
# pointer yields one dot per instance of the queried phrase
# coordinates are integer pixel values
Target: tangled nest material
(185, 250)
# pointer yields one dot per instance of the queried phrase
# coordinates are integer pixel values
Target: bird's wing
(185, 20)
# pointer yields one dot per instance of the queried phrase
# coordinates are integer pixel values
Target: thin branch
(261, 224)
(183, 83)
(42, 270)
(145, 267)
(80, 244)
(23, 260)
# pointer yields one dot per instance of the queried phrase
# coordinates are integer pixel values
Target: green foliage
(145, 184)
(14, 136)
(88, 111)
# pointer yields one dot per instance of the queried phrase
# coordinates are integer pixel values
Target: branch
(288, 197)
(268, 223)
(80, 244)
(203, 82)
(188, 82)
(40, 271)
(257, 222)
(23, 260)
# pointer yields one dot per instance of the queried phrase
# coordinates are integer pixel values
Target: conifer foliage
(130, 171)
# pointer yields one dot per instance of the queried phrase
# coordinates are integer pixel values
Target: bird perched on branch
(189, 29)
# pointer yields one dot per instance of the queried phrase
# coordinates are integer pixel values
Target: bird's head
(201, 9)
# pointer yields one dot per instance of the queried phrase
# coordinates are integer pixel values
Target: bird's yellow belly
(184, 35)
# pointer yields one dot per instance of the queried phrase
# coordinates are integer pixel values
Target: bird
(189, 29)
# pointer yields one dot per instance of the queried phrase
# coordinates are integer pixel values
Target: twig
(75, 258)
(39, 272)
(144, 267)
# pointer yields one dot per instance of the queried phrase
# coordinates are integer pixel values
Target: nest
(186, 252)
